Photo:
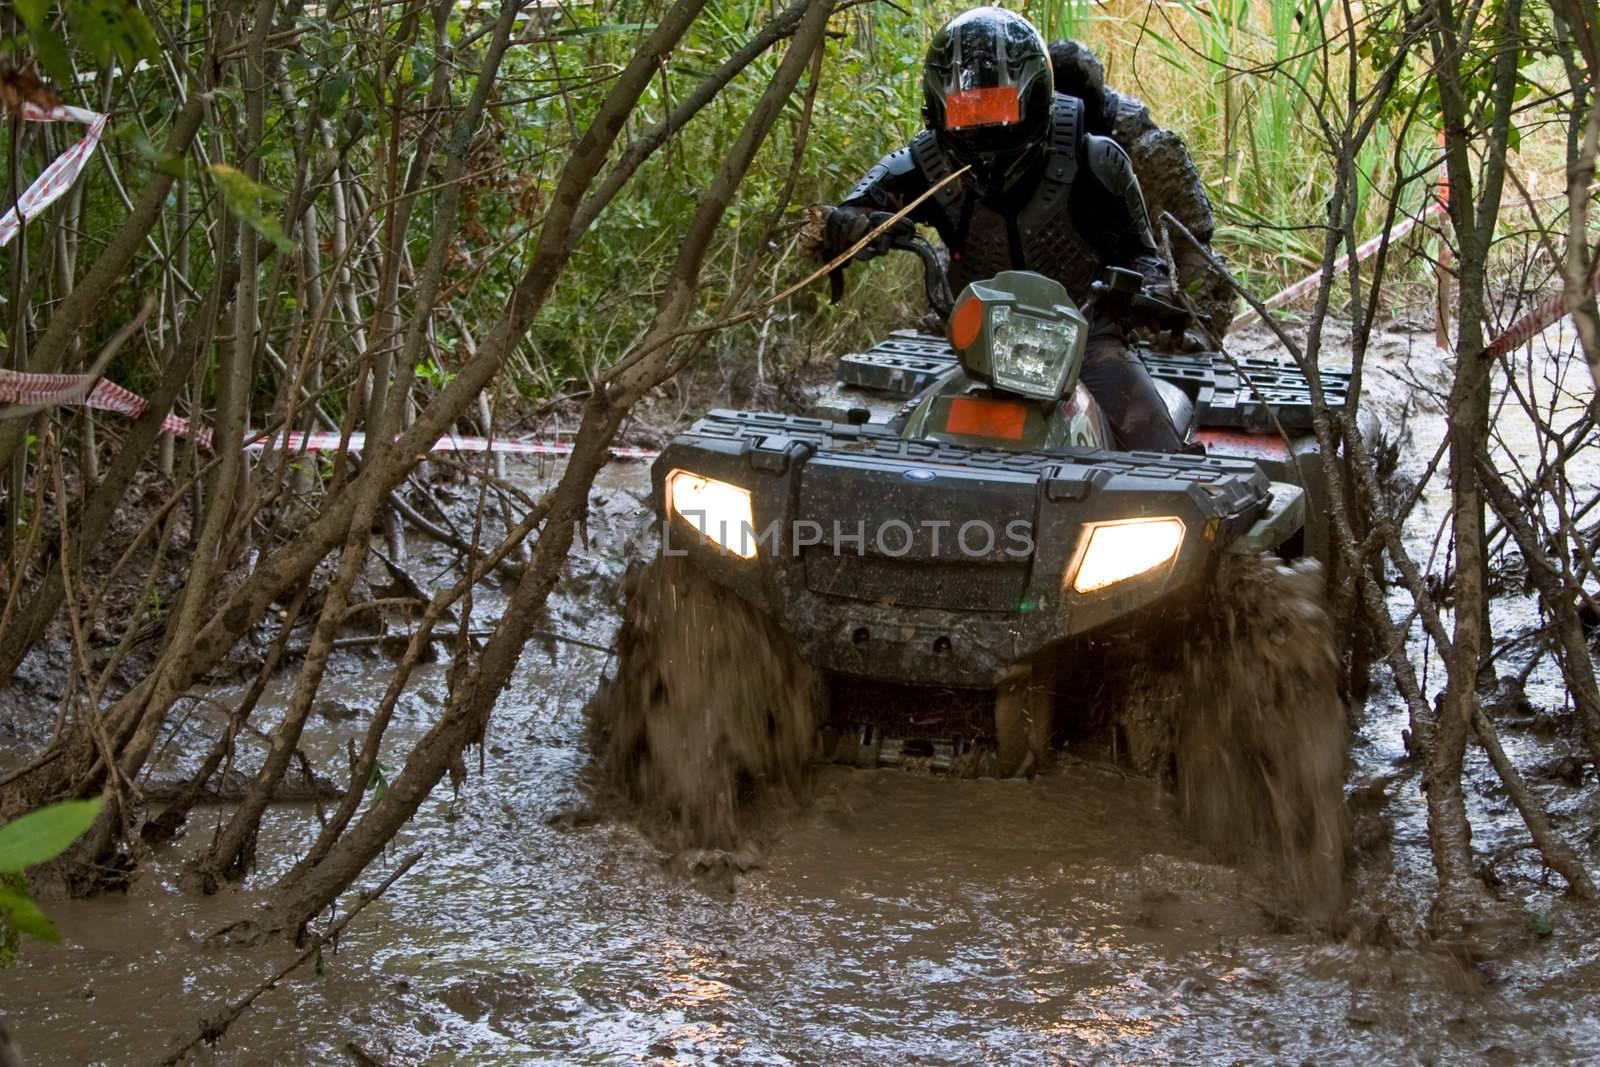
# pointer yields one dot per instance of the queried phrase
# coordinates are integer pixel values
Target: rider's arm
(887, 187)
(1108, 193)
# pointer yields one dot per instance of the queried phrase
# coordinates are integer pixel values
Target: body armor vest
(1030, 230)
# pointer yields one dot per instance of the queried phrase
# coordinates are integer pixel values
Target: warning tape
(1539, 319)
(47, 390)
(58, 177)
(44, 390)
(515, 446)
(1362, 253)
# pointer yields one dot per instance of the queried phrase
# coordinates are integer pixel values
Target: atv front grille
(949, 585)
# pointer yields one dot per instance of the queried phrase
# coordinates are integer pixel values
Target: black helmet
(1079, 73)
(988, 89)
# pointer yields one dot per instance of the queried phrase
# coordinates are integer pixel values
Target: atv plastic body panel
(1227, 404)
(932, 610)
(953, 598)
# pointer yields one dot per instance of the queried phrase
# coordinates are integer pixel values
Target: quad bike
(941, 561)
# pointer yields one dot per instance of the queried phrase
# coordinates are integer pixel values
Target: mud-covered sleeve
(1108, 198)
(1130, 120)
(1171, 182)
(889, 186)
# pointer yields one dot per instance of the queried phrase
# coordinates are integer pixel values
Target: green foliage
(111, 30)
(134, 137)
(605, 27)
(247, 199)
(104, 31)
(24, 915)
(378, 781)
(28, 841)
(42, 835)
(430, 371)
(10, 933)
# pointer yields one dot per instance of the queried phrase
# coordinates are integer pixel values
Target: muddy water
(898, 918)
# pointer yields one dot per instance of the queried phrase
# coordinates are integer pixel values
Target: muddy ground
(899, 918)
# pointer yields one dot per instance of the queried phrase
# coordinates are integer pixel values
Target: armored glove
(1157, 279)
(842, 227)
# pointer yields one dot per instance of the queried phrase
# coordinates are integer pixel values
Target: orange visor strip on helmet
(982, 107)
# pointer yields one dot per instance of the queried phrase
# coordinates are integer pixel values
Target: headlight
(1121, 550)
(719, 511)
(1029, 354)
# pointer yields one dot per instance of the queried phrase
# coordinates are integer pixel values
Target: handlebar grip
(1122, 301)
(1167, 315)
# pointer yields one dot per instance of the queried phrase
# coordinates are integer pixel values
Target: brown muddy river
(899, 918)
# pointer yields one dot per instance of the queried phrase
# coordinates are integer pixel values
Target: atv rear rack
(1240, 392)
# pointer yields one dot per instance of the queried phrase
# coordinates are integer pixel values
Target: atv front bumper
(935, 564)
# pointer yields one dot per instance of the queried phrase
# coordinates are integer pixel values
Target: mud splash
(711, 716)
(711, 720)
(1262, 744)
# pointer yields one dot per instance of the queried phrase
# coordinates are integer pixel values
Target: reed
(1243, 81)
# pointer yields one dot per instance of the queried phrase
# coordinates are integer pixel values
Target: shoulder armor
(894, 165)
(898, 162)
(1131, 120)
(1061, 165)
(1109, 163)
(1066, 131)
(1110, 166)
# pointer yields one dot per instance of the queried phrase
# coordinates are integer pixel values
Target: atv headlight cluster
(1117, 551)
(1029, 354)
(1021, 333)
(720, 512)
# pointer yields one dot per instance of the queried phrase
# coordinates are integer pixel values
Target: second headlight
(1117, 551)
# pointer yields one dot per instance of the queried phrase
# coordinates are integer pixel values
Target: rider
(1166, 174)
(1043, 194)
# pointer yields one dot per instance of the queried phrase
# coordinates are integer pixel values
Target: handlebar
(935, 281)
(1121, 295)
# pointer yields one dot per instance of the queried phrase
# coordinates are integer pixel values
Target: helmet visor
(968, 108)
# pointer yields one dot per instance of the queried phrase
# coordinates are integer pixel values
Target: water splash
(711, 715)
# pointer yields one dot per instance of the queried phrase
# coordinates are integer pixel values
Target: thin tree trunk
(466, 717)
(1473, 220)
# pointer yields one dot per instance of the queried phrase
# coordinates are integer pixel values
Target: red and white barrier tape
(45, 390)
(1365, 251)
(1539, 319)
(58, 177)
(516, 446)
